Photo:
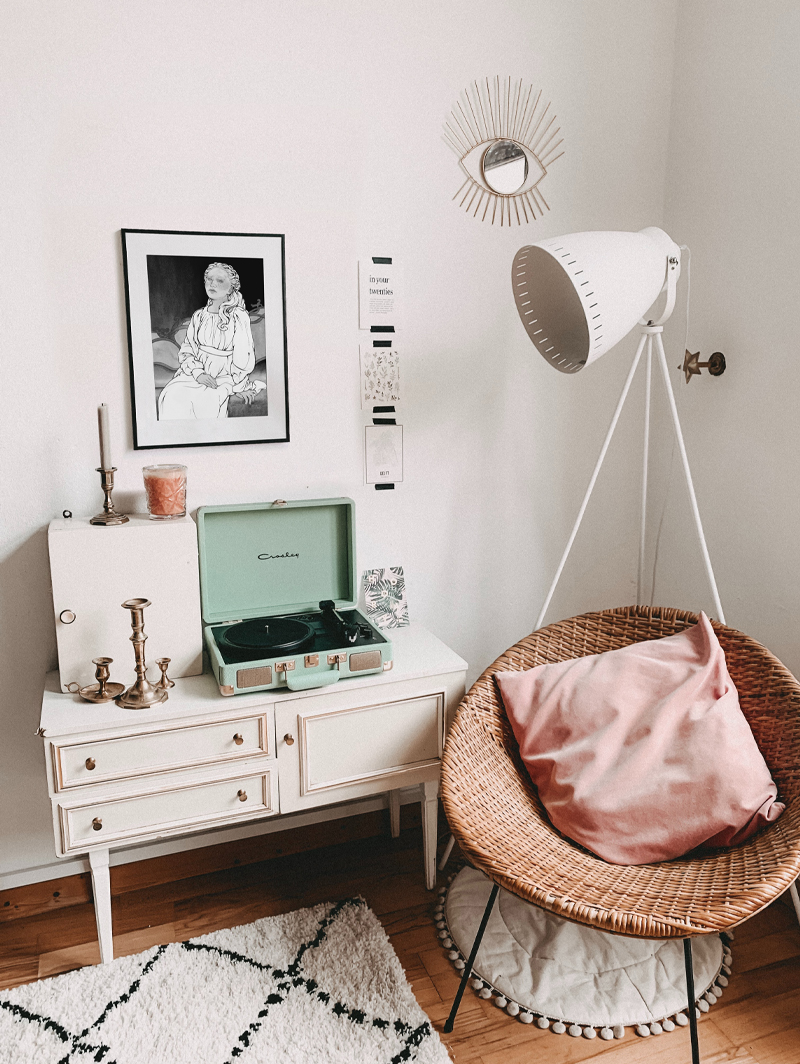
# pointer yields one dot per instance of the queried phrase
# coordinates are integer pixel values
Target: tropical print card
(385, 597)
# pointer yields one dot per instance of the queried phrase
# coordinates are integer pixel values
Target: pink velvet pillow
(642, 754)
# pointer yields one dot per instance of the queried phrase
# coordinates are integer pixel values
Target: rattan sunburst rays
(487, 113)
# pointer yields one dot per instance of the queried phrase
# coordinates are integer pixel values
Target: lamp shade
(578, 295)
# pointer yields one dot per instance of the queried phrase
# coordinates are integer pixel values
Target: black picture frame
(208, 366)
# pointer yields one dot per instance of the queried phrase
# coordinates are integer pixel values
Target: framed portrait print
(206, 337)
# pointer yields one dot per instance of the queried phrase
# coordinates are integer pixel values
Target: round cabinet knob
(242, 795)
(66, 616)
(288, 739)
(238, 739)
(91, 764)
(97, 823)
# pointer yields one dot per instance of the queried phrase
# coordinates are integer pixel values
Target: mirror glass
(505, 166)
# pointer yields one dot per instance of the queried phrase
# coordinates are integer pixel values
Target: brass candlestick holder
(109, 516)
(142, 693)
(164, 682)
(102, 691)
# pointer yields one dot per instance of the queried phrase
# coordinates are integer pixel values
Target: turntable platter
(273, 635)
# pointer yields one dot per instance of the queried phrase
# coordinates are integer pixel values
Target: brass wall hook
(692, 365)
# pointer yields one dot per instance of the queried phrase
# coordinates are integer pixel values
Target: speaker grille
(368, 659)
(254, 677)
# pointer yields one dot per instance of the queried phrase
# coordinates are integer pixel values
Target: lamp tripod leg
(795, 899)
(590, 489)
(645, 464)
(689, 484)
(446, 854)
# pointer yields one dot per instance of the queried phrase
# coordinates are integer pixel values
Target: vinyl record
(272, 635)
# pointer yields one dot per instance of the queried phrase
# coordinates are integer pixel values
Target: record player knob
(288, 739)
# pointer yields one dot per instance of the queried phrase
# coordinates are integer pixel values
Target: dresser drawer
(167, 812)
(160, 750)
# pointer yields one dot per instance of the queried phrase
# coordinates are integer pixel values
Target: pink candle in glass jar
(165, 486)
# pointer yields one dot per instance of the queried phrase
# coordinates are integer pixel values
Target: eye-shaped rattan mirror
(506, 139)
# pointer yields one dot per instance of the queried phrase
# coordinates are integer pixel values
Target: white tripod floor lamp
(579, 295)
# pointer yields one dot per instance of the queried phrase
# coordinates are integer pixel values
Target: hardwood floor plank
(483, 1031)
(17, 968)
(756, 952)
(407, 919)
(195, 918)
(127, 915)
(779, 916)
(767, 981)
(69, 959)
(424, 991)
(782, 1047)
(52, 895)
(750, 1019)
(51, 930)
(435, 959)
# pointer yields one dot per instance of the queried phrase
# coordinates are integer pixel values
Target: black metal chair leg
(462, 986)
(687, 959)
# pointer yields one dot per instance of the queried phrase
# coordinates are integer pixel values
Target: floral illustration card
(385, 597)
(380, 375)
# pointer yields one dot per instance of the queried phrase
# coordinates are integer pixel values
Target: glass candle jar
(165, 486)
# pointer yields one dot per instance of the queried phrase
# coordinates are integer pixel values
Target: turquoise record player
(278, 591)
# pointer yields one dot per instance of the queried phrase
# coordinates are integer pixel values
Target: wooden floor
(44, 931)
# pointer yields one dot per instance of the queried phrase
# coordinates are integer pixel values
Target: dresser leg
(430, 812)
(394, 813)
(101, 888)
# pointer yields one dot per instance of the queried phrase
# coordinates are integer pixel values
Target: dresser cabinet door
(340, 745)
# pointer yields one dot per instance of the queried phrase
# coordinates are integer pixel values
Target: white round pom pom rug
(316, 986)
(571, 978)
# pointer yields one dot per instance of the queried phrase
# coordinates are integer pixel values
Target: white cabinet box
(196, 762)
(95, 568)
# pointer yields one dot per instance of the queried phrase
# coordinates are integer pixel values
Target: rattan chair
(501, 826)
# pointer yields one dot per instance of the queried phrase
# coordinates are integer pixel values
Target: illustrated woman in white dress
(217, 356)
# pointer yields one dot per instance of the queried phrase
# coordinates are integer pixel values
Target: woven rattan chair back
(502, 828)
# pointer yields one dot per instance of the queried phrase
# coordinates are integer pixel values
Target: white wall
(321, 121)
(733, 196)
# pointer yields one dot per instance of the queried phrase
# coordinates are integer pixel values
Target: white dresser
(119, 777)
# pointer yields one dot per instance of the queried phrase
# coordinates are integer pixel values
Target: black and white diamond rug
(317, 986)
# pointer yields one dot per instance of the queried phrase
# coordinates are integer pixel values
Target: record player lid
(261, 559)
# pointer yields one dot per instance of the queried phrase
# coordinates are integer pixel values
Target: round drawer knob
(97, 823)
(66, 616)
(91, 764)
(238, 739)
(288, 739)
(242, 795)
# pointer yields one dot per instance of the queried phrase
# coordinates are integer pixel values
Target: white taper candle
(105, 437)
